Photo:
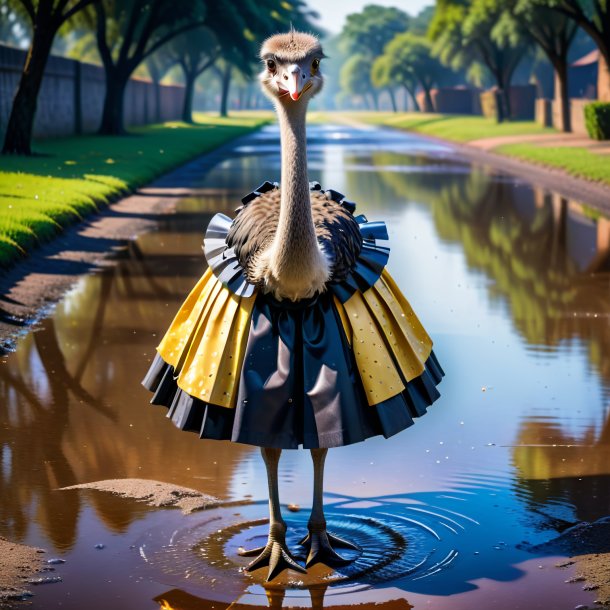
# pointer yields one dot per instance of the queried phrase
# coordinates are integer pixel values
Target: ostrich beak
(295, 81)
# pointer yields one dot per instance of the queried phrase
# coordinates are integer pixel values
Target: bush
(597, 120)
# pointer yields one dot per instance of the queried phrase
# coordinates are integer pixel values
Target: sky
(333, 12)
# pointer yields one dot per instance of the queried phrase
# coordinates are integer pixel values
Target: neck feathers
(296, 268)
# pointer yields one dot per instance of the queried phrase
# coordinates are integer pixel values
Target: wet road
(512, 282)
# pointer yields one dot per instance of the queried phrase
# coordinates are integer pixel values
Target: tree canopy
(367, 32)
(355, 76)
(410, 59)
(471, 31)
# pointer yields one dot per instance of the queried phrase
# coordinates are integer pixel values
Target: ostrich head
(291, 71)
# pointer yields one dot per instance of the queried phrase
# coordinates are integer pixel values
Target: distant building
(582, 76)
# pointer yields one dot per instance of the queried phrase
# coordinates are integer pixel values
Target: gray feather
(254, 228)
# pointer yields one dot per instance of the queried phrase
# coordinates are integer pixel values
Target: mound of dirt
(588, 546)
(18, 565)
(154, 493)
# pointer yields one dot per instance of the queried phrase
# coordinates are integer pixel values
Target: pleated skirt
(316, 373)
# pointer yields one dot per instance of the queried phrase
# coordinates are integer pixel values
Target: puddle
(511, 281)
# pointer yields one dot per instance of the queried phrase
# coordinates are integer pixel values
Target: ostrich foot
(274, 554)
(321, 543)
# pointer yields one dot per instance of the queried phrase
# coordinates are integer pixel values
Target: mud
(19, 564)
(595, 569)
(153, 493)
(588, 545)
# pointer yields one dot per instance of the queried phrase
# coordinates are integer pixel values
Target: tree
(239, 48)
(593, 16)
(46, 17)
(411, 57)
(224, 72)
(382, 77)
(553, 32)
(465, 31)
(157, 65)
(388, 71)
(367, 32)
(355, 77)
(194, 52)
(329, 96)
(12, 23)
(129, 31)
(421, 22)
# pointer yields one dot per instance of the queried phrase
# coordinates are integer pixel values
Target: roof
(587, 60)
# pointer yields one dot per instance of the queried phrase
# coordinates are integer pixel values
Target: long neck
(295, 239)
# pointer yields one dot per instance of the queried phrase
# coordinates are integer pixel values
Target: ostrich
(296, 335)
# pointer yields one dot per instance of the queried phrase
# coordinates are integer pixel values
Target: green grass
(459, 128)
(70, 178)
(576, 161)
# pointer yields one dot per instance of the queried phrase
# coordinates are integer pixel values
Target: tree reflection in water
(71, 403)
(549, 260)
(553, 465)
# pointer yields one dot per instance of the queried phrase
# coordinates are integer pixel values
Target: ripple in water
(399, 540)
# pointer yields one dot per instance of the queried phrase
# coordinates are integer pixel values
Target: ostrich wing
(256, 222)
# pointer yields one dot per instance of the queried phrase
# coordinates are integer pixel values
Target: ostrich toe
(274, 554)
(321, 543)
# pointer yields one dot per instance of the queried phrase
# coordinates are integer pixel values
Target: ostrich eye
(271, 65)
(315, 64)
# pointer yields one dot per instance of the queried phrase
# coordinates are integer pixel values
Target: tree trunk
(189, 90)
(428, 105)
(413, 97)
(505, 98)
(392, 99)
(603, 78)
(112, 115)
(561, 93)
(375, 100)
(225, 82)
(18, 136)
(504, 78)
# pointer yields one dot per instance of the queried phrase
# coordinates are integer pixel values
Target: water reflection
(72, 410)
(66, 395)
(548, 257)
(553, 464)
(176, 599)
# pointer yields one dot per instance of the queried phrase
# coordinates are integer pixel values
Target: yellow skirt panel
(388, 340)
(206, 341)
(180, 330)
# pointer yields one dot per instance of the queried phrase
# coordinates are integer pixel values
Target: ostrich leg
(275, 553)
(319, 540)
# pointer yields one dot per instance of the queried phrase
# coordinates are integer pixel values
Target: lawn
(70, 178)
(460, 128)
(576, 161)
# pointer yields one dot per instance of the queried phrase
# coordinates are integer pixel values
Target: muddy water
(511, 281)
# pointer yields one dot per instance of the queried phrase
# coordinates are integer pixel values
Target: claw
(274, 554)
(321, 549)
